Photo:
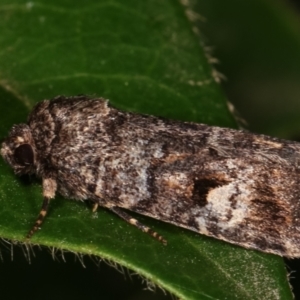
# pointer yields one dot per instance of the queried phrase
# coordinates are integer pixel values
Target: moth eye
(24, 155)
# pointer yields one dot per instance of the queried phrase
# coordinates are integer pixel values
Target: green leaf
(144, 56)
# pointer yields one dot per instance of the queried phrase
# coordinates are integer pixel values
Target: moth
(232, 185)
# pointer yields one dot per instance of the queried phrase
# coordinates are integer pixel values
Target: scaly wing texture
(229, 184)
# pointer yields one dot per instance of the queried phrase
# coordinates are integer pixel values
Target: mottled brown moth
(233, 185)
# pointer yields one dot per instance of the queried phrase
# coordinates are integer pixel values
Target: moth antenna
(122, 214)
(40, 218)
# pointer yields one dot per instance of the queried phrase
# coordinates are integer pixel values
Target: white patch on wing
(219, 204)
(158, 153)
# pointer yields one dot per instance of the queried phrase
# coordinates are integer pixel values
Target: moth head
(18, 149)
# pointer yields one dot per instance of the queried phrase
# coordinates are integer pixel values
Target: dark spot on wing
(202, 187)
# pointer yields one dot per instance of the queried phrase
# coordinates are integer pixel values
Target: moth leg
(40, 218)
(122, 214)
(49, 189)
(95, 207)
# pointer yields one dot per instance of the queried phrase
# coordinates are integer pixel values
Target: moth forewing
(229, 184)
